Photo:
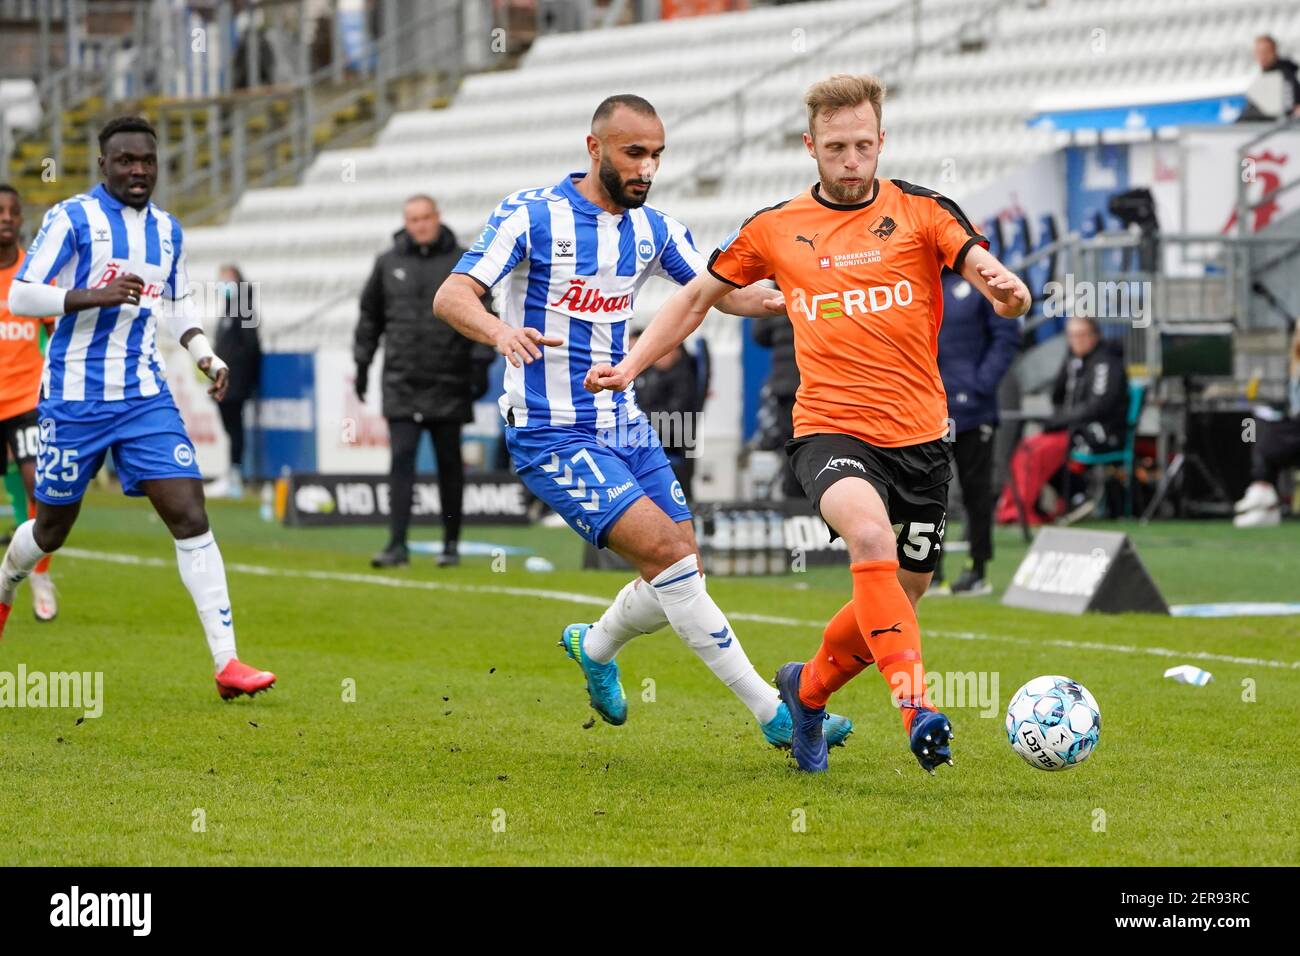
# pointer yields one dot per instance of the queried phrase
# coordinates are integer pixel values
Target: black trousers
(974, 458)
(1277, 447)
(232, 420)
(791, 488)
(404, 439)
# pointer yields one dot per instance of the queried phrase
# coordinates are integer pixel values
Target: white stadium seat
(311, 245)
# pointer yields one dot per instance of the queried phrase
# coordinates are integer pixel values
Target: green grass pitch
(470, 740)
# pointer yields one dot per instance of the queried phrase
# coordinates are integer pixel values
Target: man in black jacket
(1090, 398)
(238, 344)
(432, 374)
(669, 392)
(1267, 57)
(776, 401)
(976, 348)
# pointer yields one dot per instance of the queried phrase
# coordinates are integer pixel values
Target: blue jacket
(976, 347)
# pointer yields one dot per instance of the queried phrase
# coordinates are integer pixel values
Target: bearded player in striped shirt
(116, 260)
(569, 259)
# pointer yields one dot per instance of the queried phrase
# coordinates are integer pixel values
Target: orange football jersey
(21, 361)
(862, 288)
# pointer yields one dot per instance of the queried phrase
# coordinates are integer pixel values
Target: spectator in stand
(432, 373)
(1277, 447)
(669, 392)
(239, 346)
(776, 401)
(1090, 398)
(1267, 57)
(976, 348)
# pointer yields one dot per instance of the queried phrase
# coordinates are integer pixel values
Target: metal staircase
(212, 147)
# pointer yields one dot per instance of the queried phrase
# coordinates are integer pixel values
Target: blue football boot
(603, 687)
(930, 734)
(807, 739)
(779, 730)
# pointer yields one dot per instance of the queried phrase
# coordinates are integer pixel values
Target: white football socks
(635, 611)
(204, 574)
(705, 629)
(23, 555)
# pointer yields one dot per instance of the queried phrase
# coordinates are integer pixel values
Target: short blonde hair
(843, 89)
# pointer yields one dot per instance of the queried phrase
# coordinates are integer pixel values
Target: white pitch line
(570, 597)
(1117, 648)
(263, 571)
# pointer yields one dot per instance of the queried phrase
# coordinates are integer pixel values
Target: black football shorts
(19, 436)
(912, 481)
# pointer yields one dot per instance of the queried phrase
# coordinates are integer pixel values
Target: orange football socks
(878, 625)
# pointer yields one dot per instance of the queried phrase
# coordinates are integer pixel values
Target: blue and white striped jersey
(85, 242)
(571, 270)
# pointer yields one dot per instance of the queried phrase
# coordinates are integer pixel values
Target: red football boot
(237, 678)
(4, 616)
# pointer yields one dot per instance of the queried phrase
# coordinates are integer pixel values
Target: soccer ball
(1053, 722)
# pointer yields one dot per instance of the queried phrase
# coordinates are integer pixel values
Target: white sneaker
(938, 589)
(45, 601)
(554, 520)
(219, 488)
(1082, 507)
(1258, 518)
(1258, 495)
(235, 484)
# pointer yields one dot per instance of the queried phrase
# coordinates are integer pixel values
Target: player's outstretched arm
(458, 302)
(1002, 287)
(676, 320)
(753, 301)
(35, 300)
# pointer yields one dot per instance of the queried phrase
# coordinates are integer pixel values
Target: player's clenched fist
(219, 374)
(602, 377)
(124, 290)
(516, 344)
(1007, 288)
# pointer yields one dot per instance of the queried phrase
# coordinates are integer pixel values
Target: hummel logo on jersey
(101, 235)
(835, 463)
(896, 629)
(809, 241)
(883, 227)
(563, 248)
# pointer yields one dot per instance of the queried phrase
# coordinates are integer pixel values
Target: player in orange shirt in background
(21, 363)
(859, 260)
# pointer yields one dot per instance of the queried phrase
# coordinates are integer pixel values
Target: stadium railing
(734, 103)
(216, 145)
(279, 154)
